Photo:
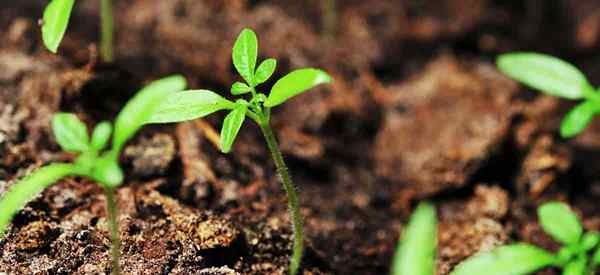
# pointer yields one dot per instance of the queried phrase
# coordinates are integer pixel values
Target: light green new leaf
(265, 70)
(517, 259)
(294, 83)
(231, 126)
(239, 88)
(189, 105)
(545, 73)
(577, 119)
(71, 134)
(417, 249)
(560, 222)
(139, 109)
(576, 267)
(55, 22)
(26, 189)
(245, 51)
(107, 171)
(101, 135)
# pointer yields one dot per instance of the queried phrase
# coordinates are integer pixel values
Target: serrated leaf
(26, 189)
(138, 110)
(231, 126)
(544, 73)
(417, 249)
(244, 54)
(71, 134)
(517, 259)
(239, 88)
(101, 135)
(55, 22)
(295, 83)
(578, 119)
(189, 105)
(560, 222)
(265, 70)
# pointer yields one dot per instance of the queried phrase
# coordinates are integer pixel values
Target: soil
(417, 111)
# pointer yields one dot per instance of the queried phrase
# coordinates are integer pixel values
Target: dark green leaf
(517, 259)
(245, 51)
(26, 189)
(139, 109)
(560, 222)
(265, 70)
(577, 119)
(71, 134)
(294, 83)
(544, 73)
(231, 126)
(417, 249)
(239, 88)
(101, 135)
(55, 22)
(189, 105)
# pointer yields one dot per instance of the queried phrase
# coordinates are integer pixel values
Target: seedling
(555, 77)
(94, 160)
(416, 250)
(56, 21)
(189, 105)
(576, 257)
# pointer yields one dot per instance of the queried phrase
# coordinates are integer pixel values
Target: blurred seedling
(575, 257)
(555, 77)
(56, 20)
(193, 104)
(94, 160)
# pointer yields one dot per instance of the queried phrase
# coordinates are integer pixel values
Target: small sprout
(555, 77)
(417, 249)
(189, 105)
(94, 161)
(561, 224)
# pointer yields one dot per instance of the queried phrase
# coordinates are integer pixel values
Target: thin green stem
(106, 32)
(293, 203)
(113, 220)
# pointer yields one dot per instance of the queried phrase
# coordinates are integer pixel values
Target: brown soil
(417, 110)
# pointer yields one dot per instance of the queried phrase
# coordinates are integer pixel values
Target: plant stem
(106, 32)
(293, 204)
(329, 18)
(113, 220)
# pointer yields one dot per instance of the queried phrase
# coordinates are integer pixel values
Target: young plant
(416, 250)
(574, 258)
(555, 77)
(56, 21)
(189, 105)
(94, 160)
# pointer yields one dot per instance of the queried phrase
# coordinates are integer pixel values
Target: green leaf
(590, 240)
(294, 83)
(577, 119)
(265, 70)
(71, 134)
(101, 135)
(231, 126)
(107, 171)
(189, 105)
(517, 259)
(239, 88)
(245, 51)
(560, 222)
(544, 73)
(576, 267)
(596, 258)
(26, 189)
(55, 22)
(417, 249)
(139, 109)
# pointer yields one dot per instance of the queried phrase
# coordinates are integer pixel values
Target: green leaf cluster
(555, 77)
(94, 160)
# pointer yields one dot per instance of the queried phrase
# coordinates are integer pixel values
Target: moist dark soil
(417, 111)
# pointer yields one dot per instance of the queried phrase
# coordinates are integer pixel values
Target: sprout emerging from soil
(576, 257)
(555, 77)
(193, 104)
(94, 160)
(56, 21)
(417, 249)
